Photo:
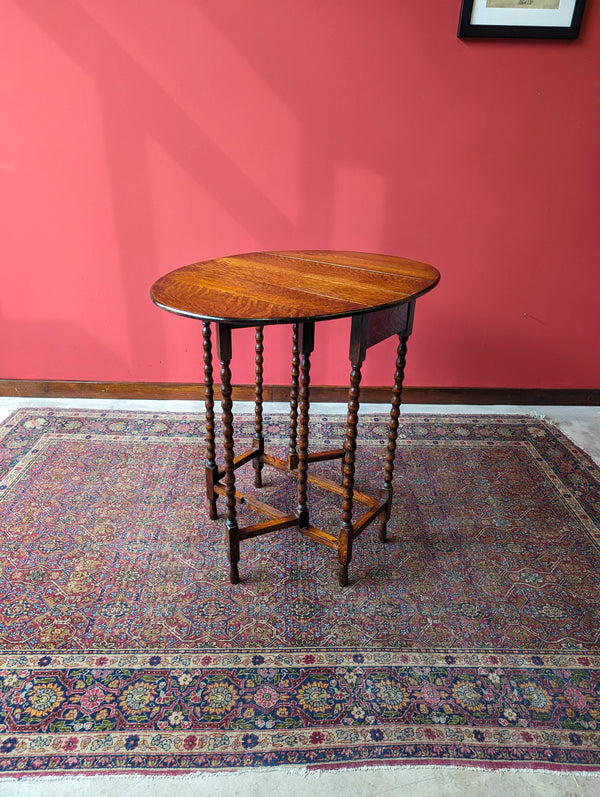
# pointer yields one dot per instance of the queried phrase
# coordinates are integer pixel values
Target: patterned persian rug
(471, 637)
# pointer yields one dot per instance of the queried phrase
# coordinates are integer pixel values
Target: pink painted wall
(138, 136)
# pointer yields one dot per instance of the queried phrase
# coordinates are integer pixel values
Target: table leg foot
(234, 575)
(382, 531)
(343, 575)
(386, 495)
(211, 478)
(233, 550)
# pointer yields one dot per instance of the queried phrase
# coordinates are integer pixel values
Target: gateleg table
(299, 288)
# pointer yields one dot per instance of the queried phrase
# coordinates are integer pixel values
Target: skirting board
(318, 393)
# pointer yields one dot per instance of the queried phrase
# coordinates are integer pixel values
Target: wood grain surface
(287, 287)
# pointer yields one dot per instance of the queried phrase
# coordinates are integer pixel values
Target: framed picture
(537, 19)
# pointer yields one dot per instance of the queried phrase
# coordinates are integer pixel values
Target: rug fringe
(308, 773)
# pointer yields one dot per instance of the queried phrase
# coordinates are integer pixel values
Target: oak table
(300, 288)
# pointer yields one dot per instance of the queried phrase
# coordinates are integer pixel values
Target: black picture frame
(466, 29)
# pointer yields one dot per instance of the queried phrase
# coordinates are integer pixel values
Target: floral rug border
(375, 682)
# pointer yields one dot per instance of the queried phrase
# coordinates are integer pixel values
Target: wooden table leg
(211, 470)
(293, 452)
(259, 442)
(233, 542)
(346, 531)
(387, 489)
(306, 342)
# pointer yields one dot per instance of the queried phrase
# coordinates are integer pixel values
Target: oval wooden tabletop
(288, 287)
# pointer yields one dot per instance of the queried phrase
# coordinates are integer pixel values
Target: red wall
(141, 135)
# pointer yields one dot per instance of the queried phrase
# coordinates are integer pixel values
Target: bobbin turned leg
(387, 489)
(211, 470)
(306, 340)
(233, 542)
(259, 442)
(345, 535)
(293, 452)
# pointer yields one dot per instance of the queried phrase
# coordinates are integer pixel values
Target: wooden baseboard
(318, 393)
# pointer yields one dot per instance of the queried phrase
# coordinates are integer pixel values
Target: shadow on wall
(364, 166)
(342, 168)
(122, 82)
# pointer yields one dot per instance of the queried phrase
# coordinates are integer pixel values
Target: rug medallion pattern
(472, 636)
